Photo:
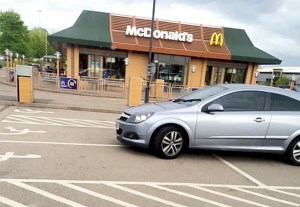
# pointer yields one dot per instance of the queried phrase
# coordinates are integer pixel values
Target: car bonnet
(154, 107)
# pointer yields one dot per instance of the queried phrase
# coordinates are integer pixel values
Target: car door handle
(259, 119)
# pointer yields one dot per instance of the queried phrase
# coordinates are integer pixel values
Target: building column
(250, 73)
(72, 60)
(196, 73)
(137, 63)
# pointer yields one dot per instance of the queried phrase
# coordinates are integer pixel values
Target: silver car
(223, 117)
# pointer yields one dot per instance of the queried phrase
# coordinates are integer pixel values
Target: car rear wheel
(168, 142)
(293, 152)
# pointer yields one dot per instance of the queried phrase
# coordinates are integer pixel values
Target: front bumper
(133, 134)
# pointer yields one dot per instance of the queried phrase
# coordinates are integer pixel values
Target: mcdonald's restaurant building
(184, 54)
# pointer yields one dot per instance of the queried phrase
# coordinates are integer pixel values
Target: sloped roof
(91, 29)
(108, 31)
(242, 49)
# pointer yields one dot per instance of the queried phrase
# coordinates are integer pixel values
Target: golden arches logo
(216, 39)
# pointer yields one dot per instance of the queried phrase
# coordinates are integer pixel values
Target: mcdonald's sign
(216, 39)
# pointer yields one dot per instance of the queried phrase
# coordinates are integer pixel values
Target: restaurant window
(97, 65)
(218, 75)
(170, 73)
(171, 68)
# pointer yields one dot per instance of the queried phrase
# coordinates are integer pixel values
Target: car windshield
(201, 94)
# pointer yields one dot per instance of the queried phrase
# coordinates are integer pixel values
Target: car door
(243, 123)
(285, 118)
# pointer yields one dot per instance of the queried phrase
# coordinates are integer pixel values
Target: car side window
(242, 101)
(284, 103)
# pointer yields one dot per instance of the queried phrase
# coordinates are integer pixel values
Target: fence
(102, 87)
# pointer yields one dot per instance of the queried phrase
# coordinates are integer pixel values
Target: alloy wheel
(172, 143)
(296, 151)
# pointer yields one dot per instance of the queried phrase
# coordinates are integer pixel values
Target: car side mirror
(215, 108)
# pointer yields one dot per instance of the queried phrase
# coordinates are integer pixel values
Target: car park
(233, 117)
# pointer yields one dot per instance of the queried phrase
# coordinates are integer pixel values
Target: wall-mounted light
(126, 61)
(256, 74)
(193, 67)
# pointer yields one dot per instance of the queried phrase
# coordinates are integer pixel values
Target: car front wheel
(168, 142)
(293, 152)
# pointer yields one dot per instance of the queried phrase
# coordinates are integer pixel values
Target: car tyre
(293, 152)
(168, 142)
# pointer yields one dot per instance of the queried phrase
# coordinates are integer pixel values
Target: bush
(282, 81)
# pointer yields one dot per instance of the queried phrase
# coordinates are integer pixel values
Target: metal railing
(102, 87)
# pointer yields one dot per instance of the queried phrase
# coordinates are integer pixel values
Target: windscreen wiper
(187, 100)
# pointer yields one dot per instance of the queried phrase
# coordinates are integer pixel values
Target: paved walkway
(60, 100)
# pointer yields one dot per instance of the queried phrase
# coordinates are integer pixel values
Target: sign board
(68, 83)
(159, 34)
(151, 68)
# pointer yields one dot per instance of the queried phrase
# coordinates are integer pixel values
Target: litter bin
(11, 75)
(24, 84)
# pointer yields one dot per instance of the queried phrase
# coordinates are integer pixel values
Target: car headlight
(140, 117)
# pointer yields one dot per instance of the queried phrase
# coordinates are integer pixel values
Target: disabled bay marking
(52, 121)
(9, 155)
(13, 131)
(30, 111)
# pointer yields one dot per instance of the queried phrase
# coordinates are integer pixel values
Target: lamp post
(39, 11)
(7, 58)
(57, 68)
(11, 56)
(150, 55)
(293, 80)
(156, 66)
(17, 58)
(23, 58)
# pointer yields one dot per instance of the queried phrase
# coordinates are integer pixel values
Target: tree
(39, 45)
(282, 81)
(13, 33)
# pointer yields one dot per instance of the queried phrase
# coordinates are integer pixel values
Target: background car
(49, 69)
(35, 67)
(111, 73)
(296, 88)
(234, 117)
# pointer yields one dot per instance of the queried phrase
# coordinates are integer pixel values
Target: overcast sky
(272, 25)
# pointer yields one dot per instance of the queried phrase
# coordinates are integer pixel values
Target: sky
(272, 25)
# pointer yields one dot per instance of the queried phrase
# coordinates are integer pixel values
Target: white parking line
(9, 155)
(265, 196)
(62, 143)
(97, 195)
(9, 202)
(170, 203)
(240, 171)
(229, 196)
(52, 121)
(14, 131)
(72, 184)
(189, 195)
(286, 193)
(46, 194)
(30, 111)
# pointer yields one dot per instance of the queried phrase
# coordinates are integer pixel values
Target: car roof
(290, 93)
